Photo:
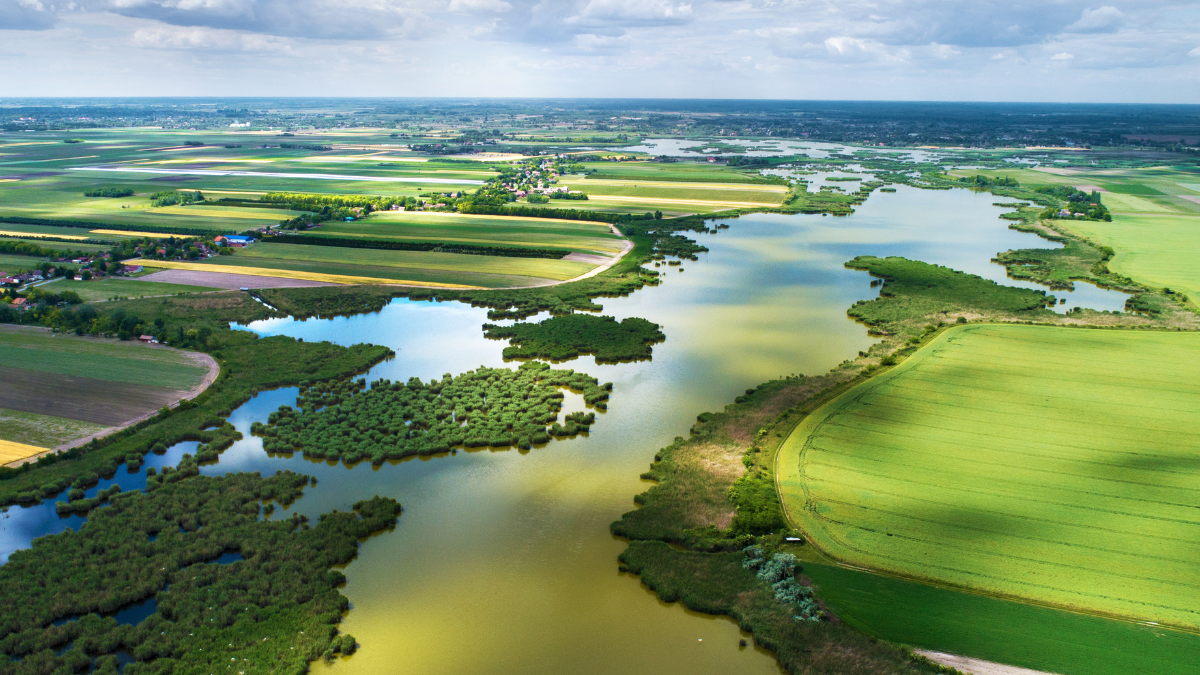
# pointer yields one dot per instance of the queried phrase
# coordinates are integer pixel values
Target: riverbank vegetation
(248, 364)
(221, 585)
(494, 407)
(561, 338)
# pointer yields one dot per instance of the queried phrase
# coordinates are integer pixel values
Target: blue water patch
(226, 558)
(133, 614)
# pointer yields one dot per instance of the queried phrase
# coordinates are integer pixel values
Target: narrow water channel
(502, 561)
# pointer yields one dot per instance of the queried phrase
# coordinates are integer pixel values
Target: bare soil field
(227, 281)
(81, 398)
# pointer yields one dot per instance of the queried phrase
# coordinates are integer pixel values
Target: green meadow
(1050, 464)
(1003, 631)
(110, 360)
(493, 231)
(489, 271)
(108, 288)
(1155, 228)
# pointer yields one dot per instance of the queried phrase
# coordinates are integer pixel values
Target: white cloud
(590, 42)
(1106, 19)
(317, 19)
(25, 15)
(467, 6)
(943, 52)
(855, 49)
(639, 12)
(208, 39)
(1195, 52)
(1062, 56)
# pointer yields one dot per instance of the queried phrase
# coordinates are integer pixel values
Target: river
(502, 561)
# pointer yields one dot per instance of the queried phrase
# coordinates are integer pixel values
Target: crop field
(395, 264)
(682, 171)
(107, 289)
(1156, 220)
(579, 236)
(341, 273)
(98, 359)
(10, 264)
(58, 388)
(38, 431)
(1014, 633)
(1049, 464)
(687, 192)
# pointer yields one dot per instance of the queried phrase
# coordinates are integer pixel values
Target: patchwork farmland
(58, 388)
(1053, 465)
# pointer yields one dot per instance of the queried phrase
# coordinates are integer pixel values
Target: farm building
(235, 241)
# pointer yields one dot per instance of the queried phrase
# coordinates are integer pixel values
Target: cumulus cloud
(633, 12)
(1195, 53)
(943, 52)
(1062, 56)
(468, 6)
(208, 39)
(846, 48)
(592, 43)
(25, 15)
(1106, 19)
(336, 19)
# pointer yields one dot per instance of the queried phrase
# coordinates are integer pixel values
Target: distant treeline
(51, 222)
(296, 146)
(109, 192)
(29, 248)
(434, 246)
(564, 214)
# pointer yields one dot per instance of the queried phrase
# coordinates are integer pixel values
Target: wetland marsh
(508, 550)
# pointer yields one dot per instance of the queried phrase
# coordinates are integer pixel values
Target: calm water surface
(502, 561)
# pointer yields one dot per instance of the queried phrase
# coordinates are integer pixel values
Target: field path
(972, 666)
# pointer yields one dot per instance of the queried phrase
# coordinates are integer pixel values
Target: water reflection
(502, 561)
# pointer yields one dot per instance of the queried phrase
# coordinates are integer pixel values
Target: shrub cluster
(391, 420)
(779, 572)
(566, 337)
(109, 192)
(275, 609)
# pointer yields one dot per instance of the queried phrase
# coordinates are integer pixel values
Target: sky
(958, 50)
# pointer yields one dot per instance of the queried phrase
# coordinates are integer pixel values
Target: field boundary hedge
(50, 222)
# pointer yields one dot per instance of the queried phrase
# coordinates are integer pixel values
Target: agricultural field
(1047, 464)
(119, 288)
(1002, 631)
(545, 233)
(356, 265)
(1155, 226)
(58, 388)
(47, 181)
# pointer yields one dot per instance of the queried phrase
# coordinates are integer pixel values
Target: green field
(109, 360)
(1014, 633)
(1056, 465)
(445, 267)
(43, 431)
(1161, 249)
(1155, 230)
(584, 237)
(106, 289)
(11, 264)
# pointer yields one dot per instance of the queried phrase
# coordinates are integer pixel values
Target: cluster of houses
(232, 241)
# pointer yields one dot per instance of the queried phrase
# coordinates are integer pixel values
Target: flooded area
(502, 561)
